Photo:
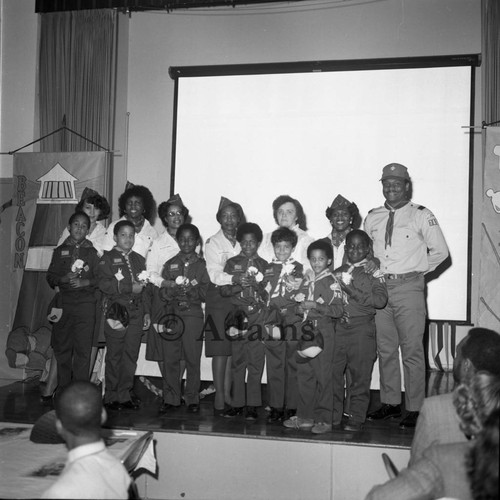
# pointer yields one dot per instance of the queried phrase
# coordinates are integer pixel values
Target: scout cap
(226, 202)
(395, 170)
(309, 348)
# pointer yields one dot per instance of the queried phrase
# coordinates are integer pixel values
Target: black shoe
(353, 426)
(233, 412)
(410, 420)
(251, 413)
(276, 415)
(385, 412)
(193, 408)
(129, 405)
(113, 406)
(219, 413)
(47, 399)
(289, 413)
(134, 398)
(166, 407)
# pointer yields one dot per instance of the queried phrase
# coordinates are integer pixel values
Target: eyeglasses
(173, 214)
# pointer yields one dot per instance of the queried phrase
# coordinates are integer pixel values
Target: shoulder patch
(420, 207)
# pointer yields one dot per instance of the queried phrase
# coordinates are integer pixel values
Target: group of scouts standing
(314, 313)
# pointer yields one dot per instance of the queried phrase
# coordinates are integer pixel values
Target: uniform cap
(395, 170)
(309, 348)
(87, 193)
(226, 202)
(340, 202)
(175, 200)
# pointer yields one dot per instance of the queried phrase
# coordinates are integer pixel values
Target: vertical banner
(489, 284)
(46, 189)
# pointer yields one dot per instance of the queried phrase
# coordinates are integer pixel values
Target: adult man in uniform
(408, 242)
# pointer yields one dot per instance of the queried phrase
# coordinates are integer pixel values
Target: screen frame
(472, 60)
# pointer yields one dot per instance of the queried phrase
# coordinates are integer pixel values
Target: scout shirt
(369, 291)
(300, 251)
(417, 243)
(245, 295)
(324, 289)
(117, 272)
(194, 269)
(143, 239)
(281, 295)
(63, 258)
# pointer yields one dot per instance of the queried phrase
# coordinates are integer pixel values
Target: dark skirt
(217, 308)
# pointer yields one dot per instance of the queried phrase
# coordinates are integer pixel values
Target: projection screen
(250, 134)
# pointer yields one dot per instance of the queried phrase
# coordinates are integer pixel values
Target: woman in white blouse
(288, 212)
(344, 217)
(218, 249)
(172, 214)
(137, 205)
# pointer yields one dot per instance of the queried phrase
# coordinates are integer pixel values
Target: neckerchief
(127, 261)
(75, 253)
(390, 222)
(285, 271)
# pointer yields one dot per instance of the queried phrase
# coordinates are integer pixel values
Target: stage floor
(20, 402)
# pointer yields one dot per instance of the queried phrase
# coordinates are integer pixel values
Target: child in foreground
(127, 315)
(322, 303)
(355, 343)
(185, 288)
(283, 277)
(73, 270)
(249, 298)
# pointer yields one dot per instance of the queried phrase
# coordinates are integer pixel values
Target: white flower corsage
(77, 266)
(253, 271)
(182, 281)
(347, 278)
(300, 297)
(144, 277)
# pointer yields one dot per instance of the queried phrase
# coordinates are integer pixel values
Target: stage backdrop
(46, 189)
(489, 288)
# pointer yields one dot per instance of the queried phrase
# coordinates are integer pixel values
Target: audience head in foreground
(438, 421)
(482, 461)
(80, 414)
(90, 470)
(478, 351)
(447, 470)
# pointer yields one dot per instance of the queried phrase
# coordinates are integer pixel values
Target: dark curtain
(491, 60)
(77, 68)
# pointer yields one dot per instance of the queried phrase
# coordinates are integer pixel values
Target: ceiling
(42, 6)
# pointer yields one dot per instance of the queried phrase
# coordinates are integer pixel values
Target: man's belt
(404, 276)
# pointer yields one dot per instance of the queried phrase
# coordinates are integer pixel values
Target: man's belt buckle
(402, 276)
